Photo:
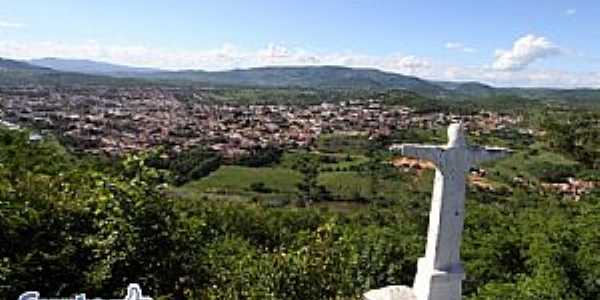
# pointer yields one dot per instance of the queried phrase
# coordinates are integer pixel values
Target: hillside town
(115, 121)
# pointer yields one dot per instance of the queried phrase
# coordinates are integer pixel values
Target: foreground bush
(68, 227)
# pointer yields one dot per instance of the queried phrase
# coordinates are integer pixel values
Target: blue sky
(529, 43)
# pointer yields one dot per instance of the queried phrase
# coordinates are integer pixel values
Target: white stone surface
(440, 272)
(394, 292)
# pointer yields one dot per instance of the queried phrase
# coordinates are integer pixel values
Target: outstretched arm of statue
(482, 154)
(429, 153)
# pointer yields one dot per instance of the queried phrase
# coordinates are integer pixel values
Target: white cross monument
(440, 272)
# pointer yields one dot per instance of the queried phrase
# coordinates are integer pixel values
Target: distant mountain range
(14, 65)
(68, 71)
(468, 88)
(13, 72)
(89, 67)
(306, 77)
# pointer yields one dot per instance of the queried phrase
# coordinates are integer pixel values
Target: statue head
(456, 135)
(134, 292)
(29, 296)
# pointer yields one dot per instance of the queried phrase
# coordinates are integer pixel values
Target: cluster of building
(573, 188)
(128, 119)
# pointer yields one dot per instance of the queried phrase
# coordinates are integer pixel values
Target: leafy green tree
(308, 187)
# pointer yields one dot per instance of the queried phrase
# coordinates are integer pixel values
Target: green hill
(325, 78)
(9, 64)
(307, 77)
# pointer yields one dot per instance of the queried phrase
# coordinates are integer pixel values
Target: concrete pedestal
(432, 284)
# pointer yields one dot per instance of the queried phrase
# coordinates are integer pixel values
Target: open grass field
(237, 181)
(327, 161)
(345, 179)
(342, 143)
(357, 186)
(534, 164)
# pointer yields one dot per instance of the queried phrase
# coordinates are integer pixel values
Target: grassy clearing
(346, 161)
(340, 143)
(533, 164)
(237, 181)
(234, 183)
(346, 185)
(358, 186)
(327, 161)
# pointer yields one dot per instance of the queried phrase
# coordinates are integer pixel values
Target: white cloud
(459, 47)
(6, 24)
(570, 12)
(226, 57)
(524, 52)
(229, 56)
(274, 52)
(412, 62)
(527, 78)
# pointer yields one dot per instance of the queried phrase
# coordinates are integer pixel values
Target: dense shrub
(550, 172)
(68, 228)
(186, 166)
(261, 157)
